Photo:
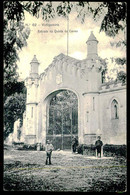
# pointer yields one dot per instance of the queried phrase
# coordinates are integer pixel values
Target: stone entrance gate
(83, 78)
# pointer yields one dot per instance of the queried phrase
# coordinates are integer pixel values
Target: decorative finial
(35, 59)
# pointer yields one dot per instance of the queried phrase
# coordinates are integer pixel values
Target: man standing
(49, 147)
(98, 145)
(74, 143)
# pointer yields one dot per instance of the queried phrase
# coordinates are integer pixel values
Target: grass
(26, 171)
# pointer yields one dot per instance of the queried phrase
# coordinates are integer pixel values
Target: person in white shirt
(49, 148)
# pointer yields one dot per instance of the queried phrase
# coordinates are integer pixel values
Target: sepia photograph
(64, 96)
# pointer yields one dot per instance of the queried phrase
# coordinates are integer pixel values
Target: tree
(121, 76)
(114, 19)
(113, 22)
(15, 35)
(14, 105)
(14, 108)
(11, 88)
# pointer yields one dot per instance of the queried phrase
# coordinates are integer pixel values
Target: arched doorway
(62, 119)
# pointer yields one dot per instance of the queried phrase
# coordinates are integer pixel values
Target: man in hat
(98, 145)
(49, 147)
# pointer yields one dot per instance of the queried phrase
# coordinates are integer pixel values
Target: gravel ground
(26, 171)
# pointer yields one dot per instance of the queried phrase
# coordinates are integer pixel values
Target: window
(114, 109)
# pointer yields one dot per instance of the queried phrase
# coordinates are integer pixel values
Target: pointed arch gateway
(62, 118)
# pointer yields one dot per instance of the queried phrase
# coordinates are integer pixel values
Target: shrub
(112, 150)
(80, 149)
(17, 143)
(108, 150)
(42, 147)
(30, 146)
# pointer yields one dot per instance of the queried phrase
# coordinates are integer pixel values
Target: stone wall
(113, 129)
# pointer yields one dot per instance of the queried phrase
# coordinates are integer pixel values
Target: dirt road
(26, 171)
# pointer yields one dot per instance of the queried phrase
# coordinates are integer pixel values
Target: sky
(46, 42)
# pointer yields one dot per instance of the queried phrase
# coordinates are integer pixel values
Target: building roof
(92, 37)
(34, 60)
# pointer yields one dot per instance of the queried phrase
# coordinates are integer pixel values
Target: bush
(30, 146)
(90, 150)
(17, 143)
(42, 148)
(108, 150)
(86, 149)
(80, 149)
(112, 150)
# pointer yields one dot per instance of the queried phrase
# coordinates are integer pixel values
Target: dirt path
(26, 171)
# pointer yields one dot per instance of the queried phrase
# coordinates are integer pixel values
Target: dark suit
(98, 145)
(74, 144)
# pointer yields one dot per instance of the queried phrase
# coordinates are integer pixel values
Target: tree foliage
(14, 108)
(15, 37)
(121, 76)
(115, 18)
(14, 105)
(11, 88)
